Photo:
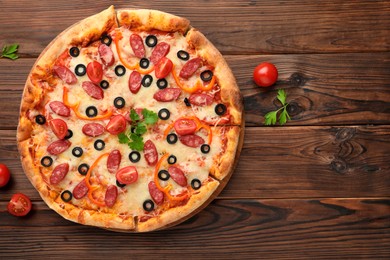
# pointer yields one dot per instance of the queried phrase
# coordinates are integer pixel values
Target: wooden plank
(242, 229)
(322, 89)
(238, 27)
(284, 162)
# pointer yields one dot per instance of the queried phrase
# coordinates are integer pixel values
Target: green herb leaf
(123, 138)
(283, 117)
(9, 51)
(272, 117)
(282, 96)
(140, 129)
(150, 117)
(137, 142)
(134, 116)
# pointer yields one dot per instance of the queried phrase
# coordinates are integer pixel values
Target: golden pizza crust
(179, 214)
(146, 20)
(81, 34)
(230, 92)
(224, 163)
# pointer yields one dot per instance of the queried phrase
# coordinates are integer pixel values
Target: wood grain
(242, 229)
(286, 162)
(245, 27)
(351, 89)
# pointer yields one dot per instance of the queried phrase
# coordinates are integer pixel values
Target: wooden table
(317, 187)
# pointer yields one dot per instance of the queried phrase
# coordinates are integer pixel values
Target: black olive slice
(69, 134)
(144, 63)
(164, 175)
(205, 148)
(134, 156)
(74, 51)
(206, 75)
(104, 84)
(187, 102)
(172, 159)
(172, 138)
(132, 129)
(183, 55)
(121, 185)
(119, 102)
(80, 70)
(164, 114)
(147, 80)
(91, 111)
(99, 144)
(46, 161)
(120, 70)
(148, 205)
(151, 40)
(196, 184)
(77, 151)
(162, 83)
(106, 39)
(220, 109)
(40, 119)
(66, 196)
(83, 169)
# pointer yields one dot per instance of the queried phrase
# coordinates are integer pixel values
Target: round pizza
(130, 120)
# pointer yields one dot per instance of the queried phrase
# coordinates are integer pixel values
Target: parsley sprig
(9, 51)
(133, 138)
(271, 117)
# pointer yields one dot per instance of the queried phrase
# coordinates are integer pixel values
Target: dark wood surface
(318, 187)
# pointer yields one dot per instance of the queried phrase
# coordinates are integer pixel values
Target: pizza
(130, 120)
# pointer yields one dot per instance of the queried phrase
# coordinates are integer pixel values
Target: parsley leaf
(282, 96)
(150, 117)
(9, 51)
(272, 117)
(123, 138)
(135, 140)
(140, 129)
(134, 116)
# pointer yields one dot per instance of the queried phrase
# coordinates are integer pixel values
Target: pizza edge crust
(176, 215)
(230, 92)
(148, 19)
(225, 163)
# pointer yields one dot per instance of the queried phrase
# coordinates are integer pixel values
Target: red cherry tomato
(163, 68)
(59, 128)
(116, 125)
(95, 72)
(19, 205)
(127, 175)
(185, 126)
(265, 74)
(4, 175)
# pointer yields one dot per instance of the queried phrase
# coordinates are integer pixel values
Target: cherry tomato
(185, 126)
(116, 125)
(265, 74)
(95, 72)
(4, 175)
(59, 127)
(19, 205)
(127, 175)
(163, 68)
